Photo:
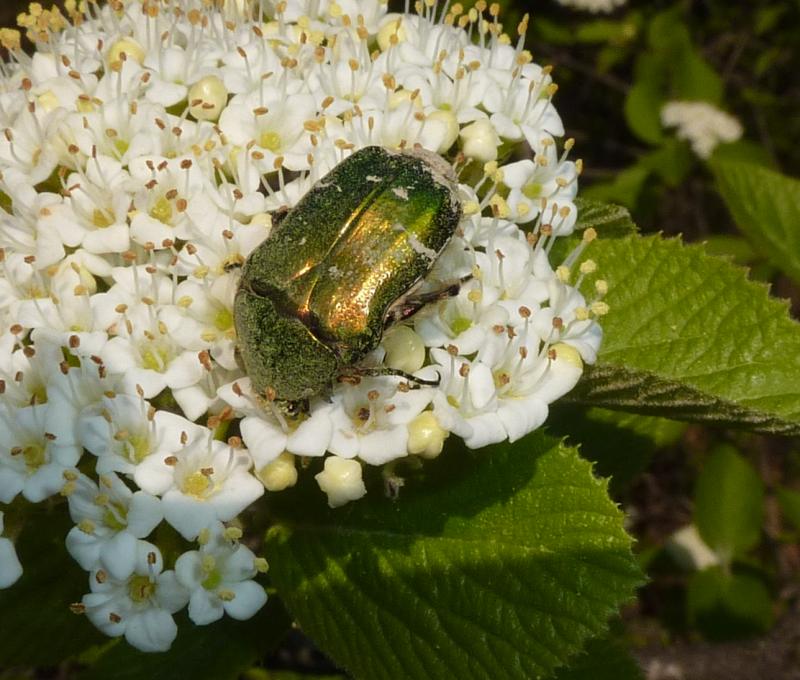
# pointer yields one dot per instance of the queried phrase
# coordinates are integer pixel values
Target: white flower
(139, 607)
(268, 433)
(206, 481)
(702, 124)
(219, 577)
(124, 430)
(110, 521)
(341, 481)
(370, 419)
(32, 458)
(10, 568)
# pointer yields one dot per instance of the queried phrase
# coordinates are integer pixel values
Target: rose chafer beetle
(339, 268)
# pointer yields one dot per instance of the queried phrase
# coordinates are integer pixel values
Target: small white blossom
(110, 522)
(370, 419)
(219, 577)
(206, 481)
(141, 606)
(32, 459)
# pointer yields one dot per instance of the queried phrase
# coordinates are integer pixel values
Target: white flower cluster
(593, 6)
(702, 124)
(144, 146)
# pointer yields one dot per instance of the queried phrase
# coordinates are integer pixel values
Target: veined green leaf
(688, 337)
(500, 564)
(614, 221)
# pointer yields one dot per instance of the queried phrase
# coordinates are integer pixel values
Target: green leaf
(743, 151)
(789, 500)
(38, 628)
(688, 337)
(500, 563)
(729, 503)
(219, 651)
(642, 107)
(612, 221)
(766, 207)
(601, 660)
(728, 606)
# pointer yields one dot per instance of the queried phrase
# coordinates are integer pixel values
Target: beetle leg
(408, 306)
(278, 215)
(414, 382)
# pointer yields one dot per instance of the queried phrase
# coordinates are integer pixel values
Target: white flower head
(702, 124)
(593, 6)
(142, 155)
(220, 575)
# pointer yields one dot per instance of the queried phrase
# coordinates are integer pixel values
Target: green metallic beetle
(344, 264)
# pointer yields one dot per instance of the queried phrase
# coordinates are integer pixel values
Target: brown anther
(172, 461)
(207, 471)
(525, 312)
(463, 370)
(235, 442)
(558, 323)
(372, 395)
(74, 341)
(363, 414)
(29, 352)
(205, 359)
(552, 354)
(452, 350)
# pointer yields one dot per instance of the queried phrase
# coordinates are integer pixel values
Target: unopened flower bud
(341, 481)
(425, 436)
(207, 98)
(480, 141)
(405, 350)
(279, 474)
